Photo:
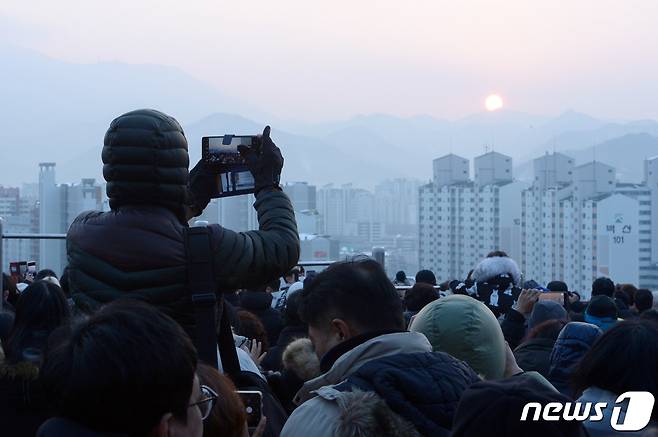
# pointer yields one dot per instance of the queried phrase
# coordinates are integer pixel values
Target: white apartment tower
(460, 219)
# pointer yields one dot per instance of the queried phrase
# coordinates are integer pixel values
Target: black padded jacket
(138, 251)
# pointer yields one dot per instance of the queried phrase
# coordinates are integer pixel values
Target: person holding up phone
(138, 249)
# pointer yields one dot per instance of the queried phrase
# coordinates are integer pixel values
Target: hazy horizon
(332, 60)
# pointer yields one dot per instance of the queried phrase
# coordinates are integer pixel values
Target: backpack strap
(202, 288)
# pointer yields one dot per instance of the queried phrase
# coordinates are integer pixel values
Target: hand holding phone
(253, 405)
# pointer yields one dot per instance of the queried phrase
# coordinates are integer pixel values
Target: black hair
(557, 286)
(643, 299)
(44, 273)
(419, 295)
(602, 306)
(41, 308)
(497, 253)
(603, 286)
(122, 369)
(426, 276)
(607, 365)
(401, 276)
(356, 291)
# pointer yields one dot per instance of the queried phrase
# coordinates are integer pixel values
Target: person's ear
(342, 329)
(162, 428)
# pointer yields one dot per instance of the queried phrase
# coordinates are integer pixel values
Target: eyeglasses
(207, 403)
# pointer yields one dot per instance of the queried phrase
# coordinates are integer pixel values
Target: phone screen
(253, 405)
(233, 175)
(556, 296)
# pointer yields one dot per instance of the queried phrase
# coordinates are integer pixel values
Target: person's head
(625, 358)
(292, 276)
(272, 286)
(549, 330)
(557, 286)
(494, 408)
(497, 269)
(546, 310)
(603, 286)
(466, 329)
(426, 277)
(291, 311)
(643, 300)
(127, 369)
(629, 290)
(252, 328)
(419, 295)
(228, 417)
(348, 299)
(146, 161)
(401, 276)
(602, 312)
(40, 309)
(44, 273)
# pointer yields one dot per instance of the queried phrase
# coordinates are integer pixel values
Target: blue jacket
(574, 341)
(423, 388)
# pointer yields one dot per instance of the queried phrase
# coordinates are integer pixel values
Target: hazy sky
(315, 60)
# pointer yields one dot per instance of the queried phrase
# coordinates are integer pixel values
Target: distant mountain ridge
(59, 111)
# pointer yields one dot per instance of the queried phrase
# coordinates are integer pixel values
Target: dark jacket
(139, 252)
(422, 388)
(574, 341)
(260, 304)
(58, 426)
(23, 403)
(514, 327)
(535, 355)
(272, 360)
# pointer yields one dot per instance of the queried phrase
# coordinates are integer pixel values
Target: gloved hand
(265, 164)
(202, 185)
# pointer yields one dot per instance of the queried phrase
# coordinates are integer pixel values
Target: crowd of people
(115, 345)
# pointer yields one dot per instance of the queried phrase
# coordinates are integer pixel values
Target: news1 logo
(638, 411)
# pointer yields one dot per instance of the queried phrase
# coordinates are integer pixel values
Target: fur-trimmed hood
(365, 414)
(495, 266)
(300, 358)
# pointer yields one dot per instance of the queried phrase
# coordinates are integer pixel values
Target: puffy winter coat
(137, 250)
(420, 386)
(574, 341)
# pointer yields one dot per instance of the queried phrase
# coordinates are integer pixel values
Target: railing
(377, 254)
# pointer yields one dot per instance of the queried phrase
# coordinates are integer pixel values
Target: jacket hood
(574, 341)
(466, 329)
(366, 414)
(490, 268)
(255, 300)
(378, 347)
(145, 161)
(300, 358)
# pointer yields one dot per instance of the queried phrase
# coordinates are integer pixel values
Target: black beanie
(146, 161)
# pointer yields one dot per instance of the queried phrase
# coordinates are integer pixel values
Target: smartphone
(222, 155)
(253, 405)
(31, 272)
(556, 296)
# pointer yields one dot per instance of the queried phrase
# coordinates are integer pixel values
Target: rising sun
(493, 102)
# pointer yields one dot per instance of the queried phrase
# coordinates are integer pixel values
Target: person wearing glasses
(126, 370)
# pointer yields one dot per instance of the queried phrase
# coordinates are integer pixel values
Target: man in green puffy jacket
(137, 250)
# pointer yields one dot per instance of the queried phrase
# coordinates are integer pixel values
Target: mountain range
(59, 111)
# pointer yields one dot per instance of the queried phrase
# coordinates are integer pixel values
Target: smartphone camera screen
(233, 175)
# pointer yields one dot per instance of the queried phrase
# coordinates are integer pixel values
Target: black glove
(265, 164)
(202, 186)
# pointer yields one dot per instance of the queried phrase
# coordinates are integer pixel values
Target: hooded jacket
(466, 329)
(574, 341)
(137, 250)
(535, 355)
(496, 283)
(394, 366)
